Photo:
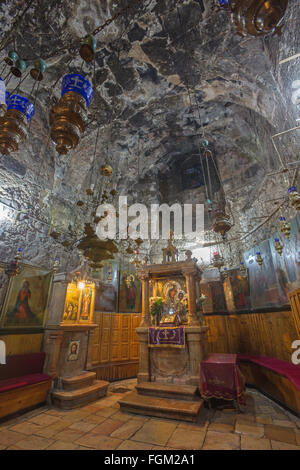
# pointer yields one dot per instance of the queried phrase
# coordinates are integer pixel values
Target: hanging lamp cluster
(256, 17)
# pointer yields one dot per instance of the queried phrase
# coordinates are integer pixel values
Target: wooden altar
(168, 378)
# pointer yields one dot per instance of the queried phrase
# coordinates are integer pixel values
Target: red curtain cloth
(220, 377)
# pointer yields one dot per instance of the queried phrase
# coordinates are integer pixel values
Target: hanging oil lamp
(243, 269)
(38, 69)
(18, 68)
(218, 260)
(106, 170)
(284, 227)
(88, 49)
(224, 273)
(13, 125)
(14, 268)
(56, 264)
(259, 259)
(222, 224)
(256, 17)
(11, 58)
(278, 246)
(136, 261)
(294, 197)
(68, 118)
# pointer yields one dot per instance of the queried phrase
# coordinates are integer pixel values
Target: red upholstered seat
(19, 365)
(288, 370)
(18, 382)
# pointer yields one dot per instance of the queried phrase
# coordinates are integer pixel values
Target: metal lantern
(88, 48)
(13, 125)
(56, 264)
(256, 17)
(106, 170)
(218, 260)
(13, 268)
(224, 273)
(278, 246)
(243, 269)
(294, 197)
(12, 57)
(284, 227)
(259, 259)
(68, 118)
(222, 223)
(38, 69)
(18, 68)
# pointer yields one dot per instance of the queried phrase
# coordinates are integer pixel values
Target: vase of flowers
(156, 309)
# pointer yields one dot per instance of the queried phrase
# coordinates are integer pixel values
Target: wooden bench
(277, 378)
(22, 383)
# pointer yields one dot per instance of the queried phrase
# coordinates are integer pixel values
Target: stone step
(75, 398)
(161, 407)
(162, 390)
(78, 381)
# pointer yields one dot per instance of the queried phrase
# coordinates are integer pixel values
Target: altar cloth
(166, 337)
(220, 377)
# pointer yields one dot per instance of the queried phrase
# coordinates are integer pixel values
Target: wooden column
(189, 275)
(144, 277)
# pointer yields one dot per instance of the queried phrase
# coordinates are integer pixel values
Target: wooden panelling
(22, 344)
(265, 334)
(115, 347)
(294, 298)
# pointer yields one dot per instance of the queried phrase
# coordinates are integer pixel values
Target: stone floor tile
(180, 439)
(251, 429)
(155, 432)
(44, 419)
(69, 435)
(93, 419)
(53, 429)
(131, 445)
(221, 427)
(61, 445)
(34, 443)
(8, 437)
(83, 426)
(106, 412)
(26, 427)
(107, 427)
(127, 429)
(285, 423)
(264, 419)
(252, 443)
(201, 426)
(276, 445)
(120, 416)
(280, 433)
(245, 418)
(98, 441)
(221, 441)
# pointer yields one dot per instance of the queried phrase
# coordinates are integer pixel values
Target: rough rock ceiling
(169, 74)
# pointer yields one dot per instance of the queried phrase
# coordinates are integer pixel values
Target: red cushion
(18, 382)
(288, 370)
(22, 364)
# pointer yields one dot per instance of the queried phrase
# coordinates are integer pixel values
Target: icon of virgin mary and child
(22, 313)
